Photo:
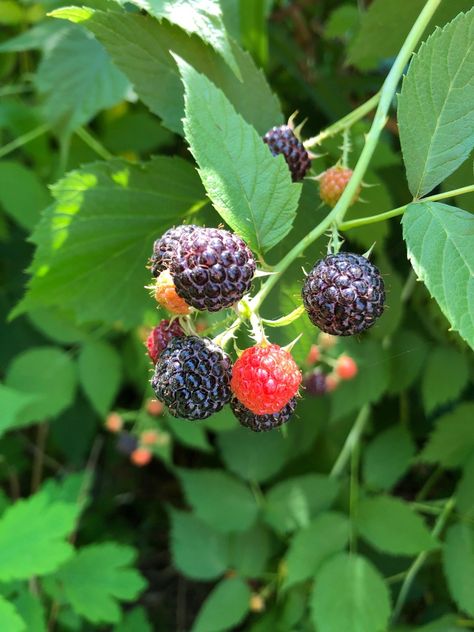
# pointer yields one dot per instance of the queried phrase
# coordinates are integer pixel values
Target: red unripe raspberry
(346, 367)
(141, 457)
(265, 378)
(159, 337)
(327, 341)
(114, 422)
(154, 407)
(332, 184)
(166, 296)
(313, 355)
(149, 437)
(332, 382)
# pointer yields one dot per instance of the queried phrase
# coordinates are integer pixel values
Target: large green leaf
(97, 578)
(452, 440)
(22, 194)
(94, 242)
(439, 386)
(250, 188)
(224, 608)
(13, 404)
(439, 242)
(100, 373)
(391, 526)
(10, 620)
(458, 562)
(387, 457)
(78, 79)
(202, 17)
(350, 595)
(435, 115)
(218, 499)
(249, 551)
(140, 46)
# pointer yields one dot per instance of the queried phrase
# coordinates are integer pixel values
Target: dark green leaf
(458, 562)
(388, 457)
(100, 373)
(224, 608)
(452, 440)
(22, 194)
(440, 386)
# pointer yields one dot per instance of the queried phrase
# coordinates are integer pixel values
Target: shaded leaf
(440, 386)
(22, 194)
(388, 457)
(458, 563)
(452, 440)
(100, 373)
(224, 608)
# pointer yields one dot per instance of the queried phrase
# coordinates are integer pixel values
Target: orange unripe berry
(149, 437)
(332, 382)
(313, 355)
(166, 296)
(141, 457)
(154, 407)
(257, 603)
(327, 341)
(333, 183)
(346, 367)
(114, 422)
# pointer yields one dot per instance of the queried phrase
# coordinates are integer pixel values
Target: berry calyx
(282, 140)
(212, 269)
(166, 296)
(164, 248)
(265, 378)
(315, 383)
(160, 336)
(141, 457)
(261, 423)
(332, 184)
(192, 377)
(313, 355)
(344, 294)
(154, 408)
(346, 367)
(114, 422)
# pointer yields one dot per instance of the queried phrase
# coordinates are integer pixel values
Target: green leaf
(390, 525)
(199, 552)
(135, 620)
(252, 456)
(94, 241)
(439, 243)
(31, 610)
(440, 386)
(464, 495)
(22, 194)
(140, 46)
(293, 503)
(48, 375)
(250, 188)
(458, 563)
(452, 440)
(10, 620)
(342, 21)
(39, 36)
(13, 404)
(191, 435)
(388, 457)
(200, 17)
(97, 578)
(435, 116)
(218, 499)
(77, 80)
(312, 546)
(57, 325)
(33, 537)
(361, 602)
(100, 373)
(249, 551)
(408, 354)
(445, 624)
(224, 608)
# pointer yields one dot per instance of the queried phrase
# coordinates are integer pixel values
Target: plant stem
(351, 442)
(420, 560)
(93, 143)
(23, 140)
(386, 95)
(345, 122)
(381, 217)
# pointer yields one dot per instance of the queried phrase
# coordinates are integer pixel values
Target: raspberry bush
(226, 403)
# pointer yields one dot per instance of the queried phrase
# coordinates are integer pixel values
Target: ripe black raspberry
(160, 336)
(259, 423)
(212, 269)
(344, 294)
(165, 247)
(315, 383)
(281, 140)
(192, 377)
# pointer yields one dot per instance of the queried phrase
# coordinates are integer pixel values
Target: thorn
(369, 251)
(290, 346)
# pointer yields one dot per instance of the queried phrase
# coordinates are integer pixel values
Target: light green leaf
(249, 551)
(388, 457)
(313, 545)
(77, 80)
(140, 46)
(435, 116)
(250, 188)
(10, 620)
(93, 243)
(22, 194)
(252, 456)
(361, 602)
(135, 620)
(293, 503)
(391, 526)
(464, 495)
(13, 403)
(439, 244)
(97, 578)
(452, 440)
(440, 386)
(200, 17)
(458, 563)
(33, 537)
(100, 373)
(199, 552)
(218, 499)
(40, 36)
(57, 325)
(224, 608)
(48, 375)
